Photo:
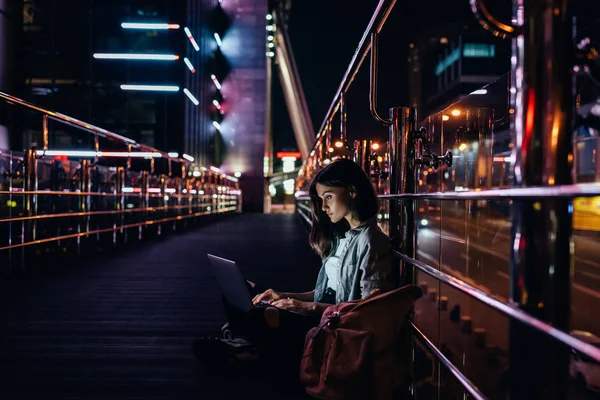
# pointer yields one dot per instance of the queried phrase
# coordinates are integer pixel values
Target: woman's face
(335, 202)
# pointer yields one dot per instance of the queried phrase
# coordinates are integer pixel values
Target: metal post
(145, 203)
(45, 135)
(119, 203)
(342, 118)
(541, 259)
(399, 119)
(402, 179)
(164, 198)
(31, 203)
(407, 182)
(85, 184)
(180, 192)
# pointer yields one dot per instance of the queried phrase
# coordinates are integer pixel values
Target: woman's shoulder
(373, 236)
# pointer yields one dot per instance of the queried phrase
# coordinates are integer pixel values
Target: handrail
(488, 22)
(498, 305)
(383, 10)
(504, 308)
(114, 229)
(465, 382)
(62, 118)
(563, 191)
(373, 82)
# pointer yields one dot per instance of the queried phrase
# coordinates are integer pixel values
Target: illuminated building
(186, 76)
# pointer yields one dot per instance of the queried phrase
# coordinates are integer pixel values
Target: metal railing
(71, 200)
(541, 241)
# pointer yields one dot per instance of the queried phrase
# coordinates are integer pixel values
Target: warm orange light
(339, 144)
(445, 118)
(462, 147)
(375, 146)
(455, 112)
(331, 150)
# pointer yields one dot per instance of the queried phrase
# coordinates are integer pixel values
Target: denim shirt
(364, 265)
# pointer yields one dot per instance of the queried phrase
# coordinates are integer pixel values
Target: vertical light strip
(189, 35)
(191, 96)
(189, 65)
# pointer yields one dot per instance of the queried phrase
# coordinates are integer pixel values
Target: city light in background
(154, 88)
(216, 81)
(191, 96)
(189, 65)
(191, 38)
(218, 39)
(149, 26)
(132, 56)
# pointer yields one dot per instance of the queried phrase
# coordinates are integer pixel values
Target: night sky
(324, 36)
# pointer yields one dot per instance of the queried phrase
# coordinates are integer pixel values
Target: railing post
(541, 259)
(145, 202)
(164, 200)
(402, 179)
(31, 200)
(119, 204)
(45, 133)
(85, 184)
(343, 127)
(361, 155)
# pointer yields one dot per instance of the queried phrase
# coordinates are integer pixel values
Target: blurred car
(582, 368)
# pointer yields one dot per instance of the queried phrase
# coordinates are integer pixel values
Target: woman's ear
(352, 191)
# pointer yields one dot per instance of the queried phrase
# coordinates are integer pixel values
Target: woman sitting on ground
(356, 258)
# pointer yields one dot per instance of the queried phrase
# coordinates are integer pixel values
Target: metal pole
(119, 203)
(31, 208)
(145, 203)
(541, 259)
(402, 180)
(85, 184)
(164, 198)
(399, 121)
(407, 182)
(342, 118)
(45, 135)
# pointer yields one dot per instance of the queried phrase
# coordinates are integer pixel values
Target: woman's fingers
(265, 296)
(258, 298)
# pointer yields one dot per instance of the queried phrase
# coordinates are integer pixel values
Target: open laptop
(232, 282)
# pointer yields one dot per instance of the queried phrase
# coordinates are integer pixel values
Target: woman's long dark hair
(346, 174)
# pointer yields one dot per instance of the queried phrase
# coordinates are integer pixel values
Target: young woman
(356, 258)
(355, 252)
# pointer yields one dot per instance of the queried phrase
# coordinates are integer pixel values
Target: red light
(282, 154)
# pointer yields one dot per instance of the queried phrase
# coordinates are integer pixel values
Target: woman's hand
(297, 306)
(268, 296)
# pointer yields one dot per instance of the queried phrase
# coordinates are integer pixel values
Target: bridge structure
(105, 282)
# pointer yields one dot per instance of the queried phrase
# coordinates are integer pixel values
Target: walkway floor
(123, 329)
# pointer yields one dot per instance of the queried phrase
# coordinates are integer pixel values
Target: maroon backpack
(357, 351)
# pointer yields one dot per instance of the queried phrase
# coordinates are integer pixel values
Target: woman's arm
(301, 307)
(271, 295)
(306, 296)
(375, 264)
